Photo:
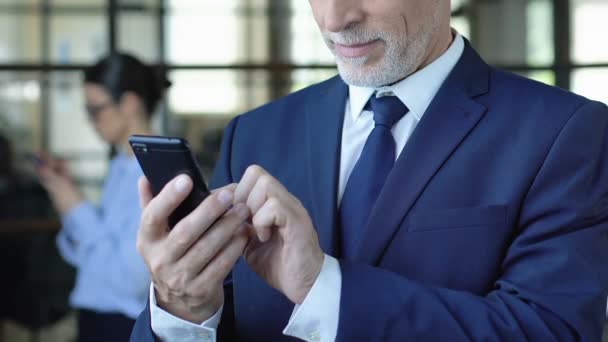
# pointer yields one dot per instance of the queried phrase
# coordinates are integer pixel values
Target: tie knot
(387, 110)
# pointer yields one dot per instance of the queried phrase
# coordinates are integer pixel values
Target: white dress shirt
(316, 319)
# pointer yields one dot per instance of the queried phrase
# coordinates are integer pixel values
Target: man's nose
(341, 14)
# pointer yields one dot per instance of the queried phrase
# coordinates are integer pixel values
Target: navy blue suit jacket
(493, 224)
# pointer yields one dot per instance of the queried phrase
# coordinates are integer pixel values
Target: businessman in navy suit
(422, 195)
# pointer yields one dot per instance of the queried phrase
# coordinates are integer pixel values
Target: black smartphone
(164, 158)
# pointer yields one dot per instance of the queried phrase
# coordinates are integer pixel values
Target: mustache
(352, 36)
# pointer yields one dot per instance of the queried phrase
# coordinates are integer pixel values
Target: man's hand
(190, 262)
(284, 249)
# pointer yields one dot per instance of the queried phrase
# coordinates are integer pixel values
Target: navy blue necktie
(370, 171)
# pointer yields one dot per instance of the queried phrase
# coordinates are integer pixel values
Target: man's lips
(355, 50)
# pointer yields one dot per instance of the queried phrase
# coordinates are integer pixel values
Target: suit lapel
(448, 120)
(325, 116)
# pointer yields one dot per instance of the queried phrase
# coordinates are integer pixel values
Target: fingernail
(264, 236)
(225, 196)
(243, 211)
(182, 183)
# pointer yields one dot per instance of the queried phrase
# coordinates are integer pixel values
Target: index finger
(256, 186)
(145, 191)
(231, 187)
(247, 182)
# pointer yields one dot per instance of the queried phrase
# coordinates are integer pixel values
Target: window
(589, 51)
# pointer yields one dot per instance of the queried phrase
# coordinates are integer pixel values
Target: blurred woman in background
(112, 280)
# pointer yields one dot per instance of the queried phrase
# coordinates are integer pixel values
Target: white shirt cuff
(170, 328)
(316, 319)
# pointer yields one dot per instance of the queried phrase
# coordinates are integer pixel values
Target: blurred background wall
(227, 56)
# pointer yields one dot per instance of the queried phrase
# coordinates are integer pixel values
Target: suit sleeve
(142, 331)
(552, 284)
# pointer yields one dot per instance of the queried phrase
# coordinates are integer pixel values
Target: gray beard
(401, 58)
(392, 68)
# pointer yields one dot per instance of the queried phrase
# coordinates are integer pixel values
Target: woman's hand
(56, 179)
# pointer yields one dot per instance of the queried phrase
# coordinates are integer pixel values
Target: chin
(375, 73)
(364, 76)
(105, 138)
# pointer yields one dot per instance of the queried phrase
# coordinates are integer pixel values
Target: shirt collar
(417, 90)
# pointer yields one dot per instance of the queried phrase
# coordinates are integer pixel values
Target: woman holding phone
(112, 282)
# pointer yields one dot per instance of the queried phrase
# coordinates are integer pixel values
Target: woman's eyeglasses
(94, 110)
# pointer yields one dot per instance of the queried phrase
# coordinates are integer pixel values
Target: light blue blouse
(100, 243)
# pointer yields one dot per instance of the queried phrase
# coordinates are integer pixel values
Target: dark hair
(6, 157)
(119, 73)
